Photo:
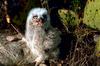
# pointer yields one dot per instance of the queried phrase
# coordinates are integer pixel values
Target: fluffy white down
(42, 41)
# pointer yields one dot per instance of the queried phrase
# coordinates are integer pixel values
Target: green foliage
(68, 18)
(98, 47)
(92, 14)
(75, 5)
(92, 19)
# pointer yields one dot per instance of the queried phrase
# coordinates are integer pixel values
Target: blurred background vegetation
(78, 20)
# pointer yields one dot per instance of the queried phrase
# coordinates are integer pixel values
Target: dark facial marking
(44, 17)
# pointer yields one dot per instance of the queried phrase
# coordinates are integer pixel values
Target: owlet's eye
(45, 17)
(35, 16)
